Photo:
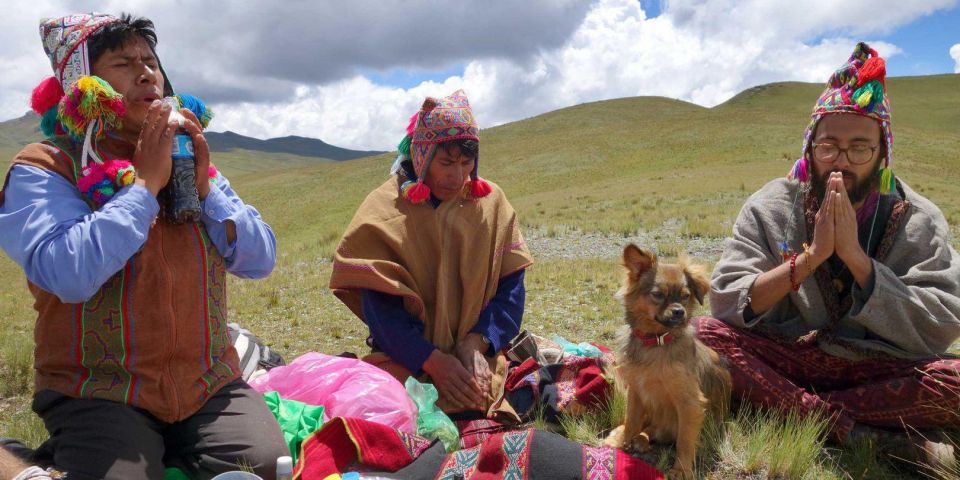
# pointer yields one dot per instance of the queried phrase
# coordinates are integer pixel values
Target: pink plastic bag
(346, 387)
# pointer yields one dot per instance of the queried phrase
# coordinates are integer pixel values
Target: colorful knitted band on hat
(438, 121)
(857, 87)
(65, 42)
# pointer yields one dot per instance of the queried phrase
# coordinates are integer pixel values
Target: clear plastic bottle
(180, 198)
(284, 468)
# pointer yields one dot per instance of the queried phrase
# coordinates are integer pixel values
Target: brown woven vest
(154, 336)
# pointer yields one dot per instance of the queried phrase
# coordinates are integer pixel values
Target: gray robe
(913, 311)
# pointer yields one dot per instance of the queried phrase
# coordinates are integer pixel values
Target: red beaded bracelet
(793, 270)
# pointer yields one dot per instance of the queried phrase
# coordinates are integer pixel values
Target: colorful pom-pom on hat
(857, 87)
(90, 99)
(100, 181)
(65, 43)
(46, 95)
(90, 108)
(438, 121)
(199, 109)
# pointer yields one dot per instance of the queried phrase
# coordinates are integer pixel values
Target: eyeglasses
(856, 154)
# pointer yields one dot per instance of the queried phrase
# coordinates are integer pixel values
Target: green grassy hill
(655, 169)
(620, 165)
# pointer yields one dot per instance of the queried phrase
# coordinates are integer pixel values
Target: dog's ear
(637, 260)
(697, 279)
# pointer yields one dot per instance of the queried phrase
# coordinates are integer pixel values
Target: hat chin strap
(88, 149)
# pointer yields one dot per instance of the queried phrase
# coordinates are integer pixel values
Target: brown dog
(671, 377)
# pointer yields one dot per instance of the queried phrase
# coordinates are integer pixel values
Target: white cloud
(703, 52)
(22, 62)
(955, 53)
(615, 52)
(243, 51)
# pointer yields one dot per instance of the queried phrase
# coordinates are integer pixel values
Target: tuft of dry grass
(16, 364)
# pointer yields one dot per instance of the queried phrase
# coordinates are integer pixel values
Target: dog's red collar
(652, 340)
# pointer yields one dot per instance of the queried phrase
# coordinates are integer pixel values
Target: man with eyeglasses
(838, 292)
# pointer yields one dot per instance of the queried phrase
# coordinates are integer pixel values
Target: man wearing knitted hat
(433, 261)
(134, 367)
(839, 289)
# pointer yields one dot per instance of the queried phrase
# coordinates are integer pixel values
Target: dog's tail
(717, 386)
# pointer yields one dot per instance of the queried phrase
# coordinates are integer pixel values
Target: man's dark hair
(117, 34)
(468, 147)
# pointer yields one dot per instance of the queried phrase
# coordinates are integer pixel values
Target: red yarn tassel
(418, 193)
(479, 188)
(412, 124)
(875, 68)
(46, 95)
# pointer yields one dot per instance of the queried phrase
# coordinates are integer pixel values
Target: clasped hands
(835, 230)
(462, 378)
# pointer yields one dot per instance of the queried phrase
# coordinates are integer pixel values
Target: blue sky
(411, 77)
(925, 44)
(652, 7)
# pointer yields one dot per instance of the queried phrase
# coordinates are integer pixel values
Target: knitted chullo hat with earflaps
(438, 121)
(858, 87)
(78, 104)
(72, 101)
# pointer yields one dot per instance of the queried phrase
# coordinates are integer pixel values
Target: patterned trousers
(883, 392)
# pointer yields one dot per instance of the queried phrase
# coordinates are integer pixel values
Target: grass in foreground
(294, 312)
(753, 444)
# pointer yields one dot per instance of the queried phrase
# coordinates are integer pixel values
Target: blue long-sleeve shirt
(70, 251)
(400, 334)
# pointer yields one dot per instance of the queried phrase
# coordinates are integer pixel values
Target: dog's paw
(615, 438)
(638, 444)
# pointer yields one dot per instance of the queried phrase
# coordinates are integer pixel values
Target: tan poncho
(445, 262)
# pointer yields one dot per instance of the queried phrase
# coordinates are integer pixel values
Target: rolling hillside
(302, 146)
(619, 165)
(234, 152)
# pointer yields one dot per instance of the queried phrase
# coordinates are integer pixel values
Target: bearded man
(838, 292)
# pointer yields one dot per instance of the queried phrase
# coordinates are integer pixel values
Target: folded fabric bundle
(349, 444)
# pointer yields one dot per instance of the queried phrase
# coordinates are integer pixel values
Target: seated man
(839, 291)
(433, 260)
(134, 366)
